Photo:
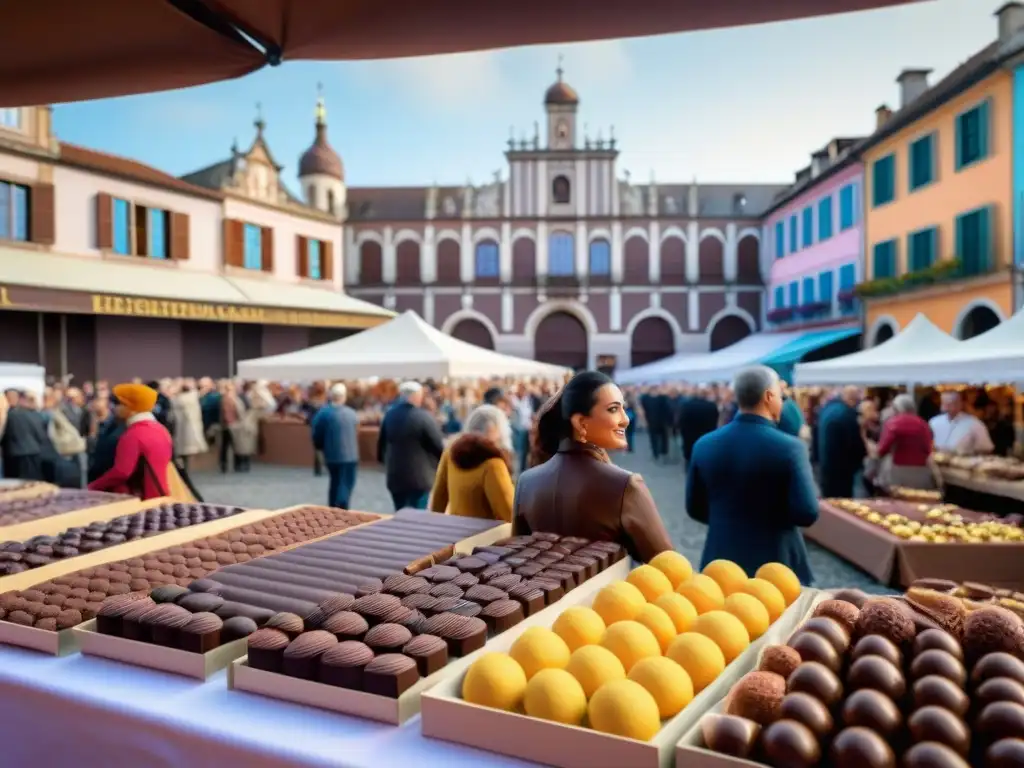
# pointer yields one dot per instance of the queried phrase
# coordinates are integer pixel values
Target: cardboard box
(484, 539)
(60, 643)
(242, 677)
(197, 665)
(51, 526)
(446, 716)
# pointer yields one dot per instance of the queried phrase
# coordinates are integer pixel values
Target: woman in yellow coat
(474, 476)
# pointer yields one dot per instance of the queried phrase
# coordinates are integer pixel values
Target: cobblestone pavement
(273, 487)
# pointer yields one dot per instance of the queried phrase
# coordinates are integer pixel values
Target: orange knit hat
(137, 398)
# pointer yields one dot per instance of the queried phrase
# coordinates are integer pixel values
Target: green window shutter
(958, 139)
(933, 245)
(960, 240)
(984, 131)
(986, 259)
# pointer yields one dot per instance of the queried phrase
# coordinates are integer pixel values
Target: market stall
(404, 348)
(288, 443)
(990, 483)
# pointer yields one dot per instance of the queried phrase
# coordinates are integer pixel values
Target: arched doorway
(883, 333)
(652, 340)
(727, 331)
(561, 339)
(976, 322)
(473, 332)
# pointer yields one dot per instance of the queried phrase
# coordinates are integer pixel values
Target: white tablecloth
(85, 712)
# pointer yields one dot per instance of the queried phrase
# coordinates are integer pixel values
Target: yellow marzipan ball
(768, 594)
(679, 609)
(624, 708)
(651, 582)
(783, 578)
(750, 611)
(729, 576)
(579, 626)
(700, 656)
(658, 621)
(593, 666)
(703, 593)
(630, 641)
(666, 681)
(554, 694)
(539, 648)
(674, 565)
(726, 630)
(495, 680)
(619, 601)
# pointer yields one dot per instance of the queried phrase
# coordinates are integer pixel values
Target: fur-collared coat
(474, 479)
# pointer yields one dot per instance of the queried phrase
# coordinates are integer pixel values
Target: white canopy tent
(24, 377)
(706, 367)
(920, 354)
(405, 347)
(994, 356)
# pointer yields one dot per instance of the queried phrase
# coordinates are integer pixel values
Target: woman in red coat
(144, 451)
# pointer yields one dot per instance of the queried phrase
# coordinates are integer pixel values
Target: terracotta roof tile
(131, 170)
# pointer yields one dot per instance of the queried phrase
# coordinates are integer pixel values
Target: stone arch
(561, 338)
(408, 234)
(711, 258)
(673, 231)
(977, 317)
(883, 329)
(524, 260)
(469, 314)
(636, 260)
(486, 233)
(651, 338)
(449, 262)
(640, 232)
(582, 313)
(407, 263)
(673, 260)
(472, 327)
(748, 259)
(371, 262)
(599, 234)
(728, 326)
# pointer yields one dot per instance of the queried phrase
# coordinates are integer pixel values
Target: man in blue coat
(336, 435)
(752, 483)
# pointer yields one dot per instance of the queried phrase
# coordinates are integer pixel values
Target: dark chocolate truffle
(168, 594)
(236, 628)
(861, 748)
(789, 744)
(289, 623)
(729, 735)
(876, 673)
(806, 709)
(385, 638)
(200, 602)
(831, 630)
(872, 709)
(1006, 753)
(937, 640)
(997, 665)
(999, 720)
(931, 754)
(814, 647)
(266, 649)
(941, 725)
(876, 645)
(998, 689)
(935, 690)
(818, 681)
(935, 662)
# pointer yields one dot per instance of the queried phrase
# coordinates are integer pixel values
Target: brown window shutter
(104, 221)
(302, 255)
(179, 236)
(232, 243)
(42, 205)
(327, 260)
(268, 249)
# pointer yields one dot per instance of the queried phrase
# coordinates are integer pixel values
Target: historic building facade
(113, 269)
(563, 258)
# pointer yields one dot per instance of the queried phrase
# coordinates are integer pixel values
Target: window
(252, 247)
(972, 136)
(884, 264)
(314, 265)
(847, 208)
(921, 248)
(122, 226)
(330, 201)
(780, 239)
(794, 243)
(883, 180)
(561, 259)
(780, 297)
(13, 212)
(922, 162)
(825, 287)
(600, 257)
(847, 277)
(157, 234)
(487, 260)
(808, 226)
(974, 241)
(10, 117)
(794, 294)
(808, 290)
(560, 190)
(825, 218)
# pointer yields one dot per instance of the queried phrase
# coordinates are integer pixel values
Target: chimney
(913, 82)
(1011, 20)
(819, 161)
(882, 115)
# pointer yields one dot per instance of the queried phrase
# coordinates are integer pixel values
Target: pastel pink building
(813, 241)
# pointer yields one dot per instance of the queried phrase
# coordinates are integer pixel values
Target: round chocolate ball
(937, 640)
(831, 630)
(817, 680)
(876, 645)
(938, 691)
(874, 710)
(729, 735)
(930, 754)
(877, 674)
(814, 647)
(1005, 753)
(934, 662)
(789, 744)
(941, 725)
(998, 664)
(861, 748)
(806, 709)
(998, 689)
(1000, 720)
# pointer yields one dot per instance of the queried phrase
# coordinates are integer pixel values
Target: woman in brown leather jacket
(573, 489)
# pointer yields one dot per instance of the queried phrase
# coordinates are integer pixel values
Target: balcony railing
(946, 271)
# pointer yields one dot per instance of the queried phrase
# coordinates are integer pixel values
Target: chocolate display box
(445, 715)
(22, 519)
(396, 710)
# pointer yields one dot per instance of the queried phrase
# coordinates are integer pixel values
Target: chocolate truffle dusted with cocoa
(780, 659)
(882, 616)
(202, 633)
(841, 611)
(991, 630)
(757, 696)
(387, 638)
(266, 649)
(390, 675)
(429, 652)
(342, 665)
(302, 656)
(289, 623)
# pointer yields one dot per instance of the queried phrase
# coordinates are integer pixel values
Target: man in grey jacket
(410, 446)
(336, 435)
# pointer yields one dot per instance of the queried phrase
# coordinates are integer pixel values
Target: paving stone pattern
(273, 487)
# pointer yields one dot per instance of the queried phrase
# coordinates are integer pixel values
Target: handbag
(136, 483)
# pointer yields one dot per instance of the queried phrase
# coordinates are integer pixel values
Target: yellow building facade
(938, 207)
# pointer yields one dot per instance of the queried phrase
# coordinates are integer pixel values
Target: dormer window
(448, 206)
(561, 190)
(739, 202)
(670, 205)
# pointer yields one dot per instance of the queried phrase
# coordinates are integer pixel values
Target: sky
(747, 104)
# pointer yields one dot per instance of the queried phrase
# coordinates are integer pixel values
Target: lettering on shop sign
(131, 306)
(5, 298)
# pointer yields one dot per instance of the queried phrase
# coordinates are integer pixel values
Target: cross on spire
(321, 107)
(259, 117)
(559, 70)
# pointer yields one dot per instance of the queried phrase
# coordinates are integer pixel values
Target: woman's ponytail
(549, 427)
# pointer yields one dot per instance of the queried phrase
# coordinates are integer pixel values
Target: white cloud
(445, 81)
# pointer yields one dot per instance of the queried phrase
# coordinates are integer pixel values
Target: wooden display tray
(446, 716)
(198, 665)
(484, 538)
(242, 677)
(51, 526)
